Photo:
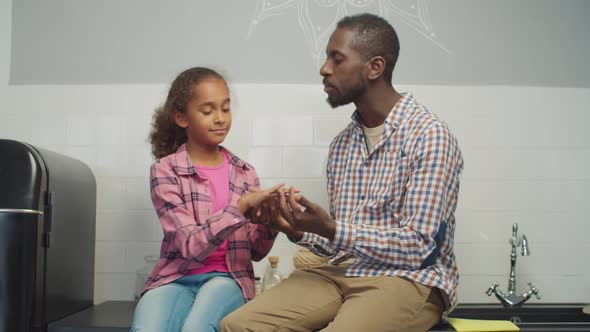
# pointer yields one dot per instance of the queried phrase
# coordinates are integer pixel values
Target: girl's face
(207, 118)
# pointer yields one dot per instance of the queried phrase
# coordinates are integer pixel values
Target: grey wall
(454, 42)
(5, 26)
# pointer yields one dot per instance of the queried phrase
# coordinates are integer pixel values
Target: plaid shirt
(394, 205)
(192, 231)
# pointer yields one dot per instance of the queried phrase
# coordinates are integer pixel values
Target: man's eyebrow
(334, 52)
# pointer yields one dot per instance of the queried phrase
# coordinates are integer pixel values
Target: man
(393, 181)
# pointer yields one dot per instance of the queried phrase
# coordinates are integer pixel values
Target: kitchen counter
(115, 316)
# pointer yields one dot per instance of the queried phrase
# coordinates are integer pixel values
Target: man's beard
(348, 98)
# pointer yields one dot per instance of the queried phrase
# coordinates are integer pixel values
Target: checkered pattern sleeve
(317, 244)
(429, 191)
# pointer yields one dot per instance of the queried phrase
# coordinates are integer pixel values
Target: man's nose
(325, 70)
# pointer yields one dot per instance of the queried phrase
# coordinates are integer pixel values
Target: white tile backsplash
(268, 161)
(82, 130)
(128, 226)
(137, 251)
(525, 162)
(112, 160)
(282, 131)
(137, 193)
(136, 127)
(139, 161)
(113, 286)
(526, 195)
(326, 128)
(111, 129)
(304, 162)
(296, 131)
(48, 130)
(14, 128)
(110, 193)
(110, 256)
(266, 131)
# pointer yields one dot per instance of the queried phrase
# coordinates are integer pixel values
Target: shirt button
(362, 196)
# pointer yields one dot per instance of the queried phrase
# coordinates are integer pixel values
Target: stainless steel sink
(530, 317)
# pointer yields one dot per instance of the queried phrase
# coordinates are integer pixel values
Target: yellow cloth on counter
(475, 325)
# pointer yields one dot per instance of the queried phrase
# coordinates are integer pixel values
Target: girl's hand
(254, 199)
(261, 214)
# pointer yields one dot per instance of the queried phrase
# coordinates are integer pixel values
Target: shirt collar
(184, 165)
(395, 116)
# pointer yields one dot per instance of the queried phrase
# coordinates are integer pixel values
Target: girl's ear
(180, 119)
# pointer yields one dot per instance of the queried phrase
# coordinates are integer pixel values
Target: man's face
(344, 69)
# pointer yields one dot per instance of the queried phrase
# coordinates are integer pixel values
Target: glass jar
(143, 273)
(272, 276)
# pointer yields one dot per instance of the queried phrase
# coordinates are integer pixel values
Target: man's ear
(376, 67)
(180, 119)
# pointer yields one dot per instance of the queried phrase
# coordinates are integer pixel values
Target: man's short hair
(374, 36)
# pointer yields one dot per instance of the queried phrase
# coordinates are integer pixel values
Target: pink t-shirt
(218, 177)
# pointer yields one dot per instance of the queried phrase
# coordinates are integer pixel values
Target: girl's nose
(220, 117)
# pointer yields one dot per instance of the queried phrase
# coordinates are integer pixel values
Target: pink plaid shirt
(192, 231)
(394, 205)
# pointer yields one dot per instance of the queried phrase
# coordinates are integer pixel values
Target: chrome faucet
(511, 299)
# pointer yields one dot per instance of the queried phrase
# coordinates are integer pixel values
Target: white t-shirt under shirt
(373, 135)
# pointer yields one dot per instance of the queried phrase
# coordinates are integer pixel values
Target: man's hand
(305, 216)
(269, 214)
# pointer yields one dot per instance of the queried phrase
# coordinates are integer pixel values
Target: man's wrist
(295, 236)
(329, 230)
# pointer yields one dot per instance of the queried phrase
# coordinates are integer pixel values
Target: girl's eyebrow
(212, 103)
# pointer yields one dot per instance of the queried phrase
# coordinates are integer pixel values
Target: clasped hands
(287, 211)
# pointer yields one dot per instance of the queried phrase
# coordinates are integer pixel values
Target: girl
(201, 192)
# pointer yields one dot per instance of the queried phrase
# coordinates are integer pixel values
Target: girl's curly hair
(166, 136)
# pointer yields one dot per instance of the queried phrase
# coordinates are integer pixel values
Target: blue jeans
(195, 303)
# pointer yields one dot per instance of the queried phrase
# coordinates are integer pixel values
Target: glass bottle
(258, 285)
(272, 276)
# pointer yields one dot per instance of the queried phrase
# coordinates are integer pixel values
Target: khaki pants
(322, 298)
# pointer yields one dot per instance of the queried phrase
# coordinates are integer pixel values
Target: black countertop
(115, 316)
(110, 316)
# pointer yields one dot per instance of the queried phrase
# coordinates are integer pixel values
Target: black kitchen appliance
(47, 236)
